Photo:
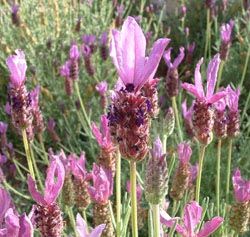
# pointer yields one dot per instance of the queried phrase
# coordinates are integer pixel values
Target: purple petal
(169, 222)
(212, 72)
(81, 226)
(12, 223)
(191, 89)
(5, 201)
(157, 151)
(96, 132)
(153, 61)
(34, 192)
(179, 58)
(26, 227)
(184, 152)
(167, 57)
(53, 187)
(97, 231)
(210, 226)
(198, 80)
(192, 216)
(216, 97)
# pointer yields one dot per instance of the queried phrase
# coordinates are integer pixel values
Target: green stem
(82, 105)
(156, 219)
(177, 118)
(27, 152)
(133, 198)
(198, 180)
(10, 188)
(35, 166)
(218, 177)
(164, 144)
(220, 74)
(245, 68)
(118, 194)
(40, 138)
(72, 219)
(207, 34)
(229, 159)
(150, 223)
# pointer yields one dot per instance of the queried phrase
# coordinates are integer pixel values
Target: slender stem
(10, 188)
(150, 223)
(40, 138)
(118, 194)
(220, 74)
(35, 167)
(229, 159)
(173, 208)
(133, 198)
(207, 33)
(27, 152)
(72, 219)
(82, 105)
(177, 118)
(156, 219)
(218, 177)
(245, 68)
(198, 180)
(164, 143)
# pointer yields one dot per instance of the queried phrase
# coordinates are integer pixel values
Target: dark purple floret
(130, 87)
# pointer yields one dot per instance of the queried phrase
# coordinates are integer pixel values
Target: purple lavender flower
(86, 52)
(172, 79)
(103, 45)
(220, 123)
(74, 52)
(15, 17)
(17, 67)
(74, 57)
(128, 53)
(51, 129)
(190, 51)
(82, 228)
(89, 40)
(187, 114)
(183, 11)
(102, 88)
(102, 187)
(226, 39)
(65, 72)
(203, 115)
(3, 137)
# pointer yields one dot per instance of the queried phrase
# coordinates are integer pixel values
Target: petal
(216, 97)
(179, 58)
(81, 226)
(116, 54)
(212, 72)
(34, 192)
(11, 223)
(191, 89)
(96, 132)
(167, 57)
(198, 80)
(97, 231)
(133, 45)
(26, 227)
(5, 201)
(192, 216)
(52, 186)
(210, 226)
(153, 61)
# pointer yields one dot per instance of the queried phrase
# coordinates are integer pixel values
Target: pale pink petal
(191, 89)
(5, 203)
(81, 226)
(169, 222)
(26, 227)
(97, 231)
(192, 216)
(216, 97)
(54, 180)
(198, 79)
(184, 108)
(34, 192)
(96, 132)
(167, 57)
(210, 227)
(153, 61)
(184, 152)
(212, 71)
(12, 223)
(179, 58)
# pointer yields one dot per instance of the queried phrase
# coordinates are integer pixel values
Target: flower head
(17, 67)
(102, 88)
(53, 183)
(15, 8)
(128, 48)
(88, 39)
(221, 104)
(194, 172)
(51, 124)
(177, 61)
(197, 89)
(103, 135)
(241, 187)
(157, 151)
(82, 228)
(102, 187)
(34, 95)
(232, 99)
(86, 51)
(226, 32)
(104, 38)
(74, 52)
(184, 152)
(65, 69)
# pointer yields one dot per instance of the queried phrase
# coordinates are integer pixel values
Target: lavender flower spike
(128, 48)
(17, 67)
(102, 88)
(226, 39)
(52, 188)
(177, 61)
(82, 228)
(184, 152)
(197, 89)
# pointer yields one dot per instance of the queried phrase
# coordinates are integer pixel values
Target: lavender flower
(187, 114)
(86, 52)
(226, 39)
(220, 123)
(82, 228)
(89, 40)
(6, 203)
(172, 79)
(51, 129)
(65, 72)
(103, 46)
(15, 17)
(102, 88)
(190, 51)
(74, 57)
(203, 115)
(47, 213)
(3, 137)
